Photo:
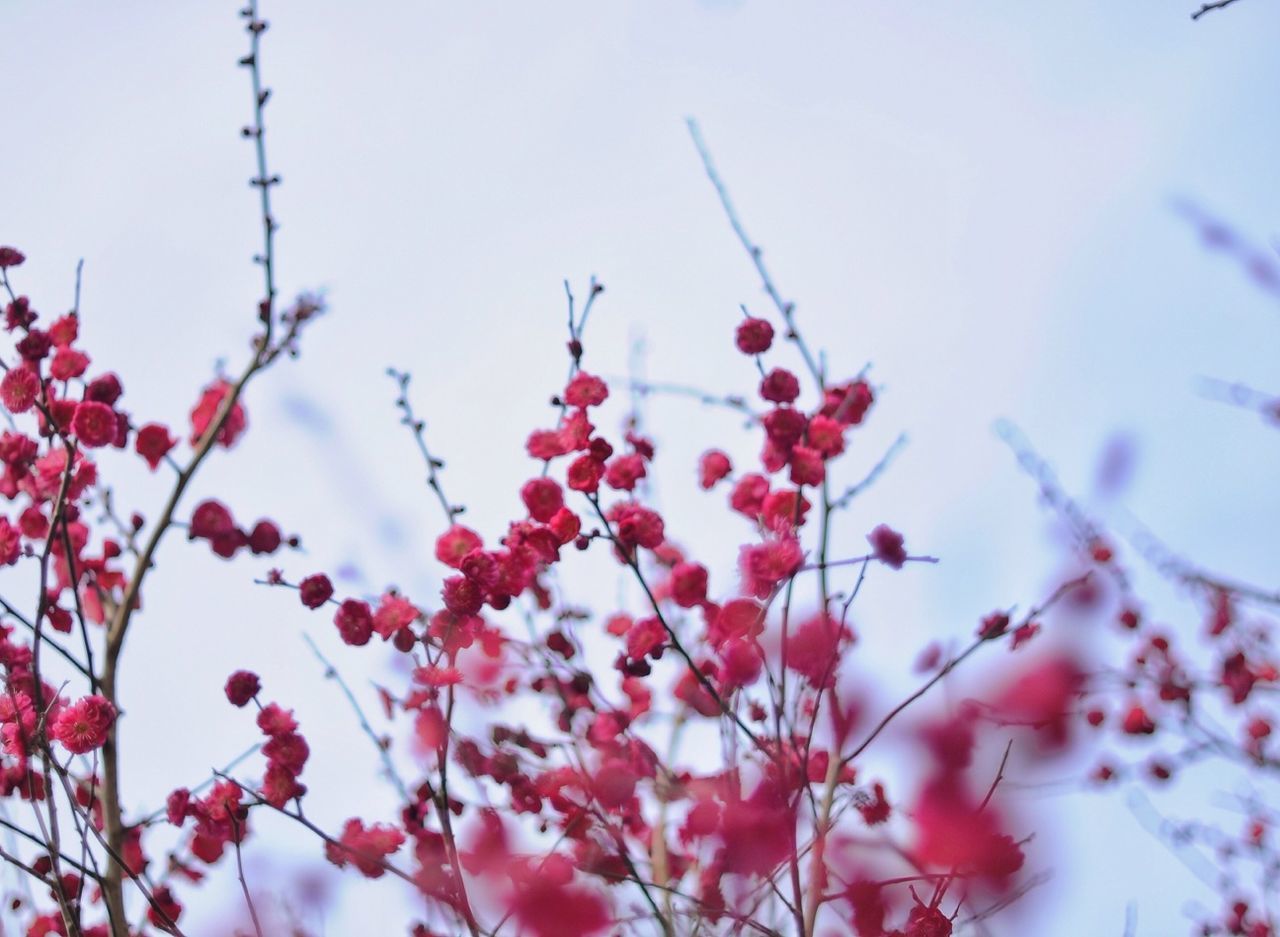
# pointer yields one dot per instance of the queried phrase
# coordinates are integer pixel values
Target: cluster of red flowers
(718, 773)
(711, 839)
(1183, 699)
(211, 520)
(589, 768)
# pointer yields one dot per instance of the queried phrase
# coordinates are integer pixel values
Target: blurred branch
(959, 659)
(1175, 567)
(876, 471)
(331, 673)
(1240, 395)
(706, 398)
(1258, 263)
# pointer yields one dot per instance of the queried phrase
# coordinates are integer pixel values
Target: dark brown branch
(1209, 7)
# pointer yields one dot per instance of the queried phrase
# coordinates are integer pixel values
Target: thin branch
(876, 471)
(31, 837)
(940, 890)
(73, 575)
(859, 560)
(576, 329)
(706, 398)
(363, 856)
(1240, 395)
(230, 765)
(117, 860)
(244, 884)
(264, 353)
(264, 181)
(1209, 7)
(955, 662)
(633, 562)
(785, 308)
(1175, 567)
(54, 645)
(331, 673)
(418, 428)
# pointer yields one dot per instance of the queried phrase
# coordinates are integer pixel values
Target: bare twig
(1175, 567)
(725, 401)
(940, 890)
(1209, 7)
(785, 308)
(876, 471)
(388, 766)
(418, 428)
(244, 884)
(53, 645)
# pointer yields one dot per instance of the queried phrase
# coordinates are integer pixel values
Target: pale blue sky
(975, 197)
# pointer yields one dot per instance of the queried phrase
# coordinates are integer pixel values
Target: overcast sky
(975, 198)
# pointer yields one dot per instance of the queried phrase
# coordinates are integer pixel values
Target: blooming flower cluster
(712, 839)
(1172, 700)
(698, 757)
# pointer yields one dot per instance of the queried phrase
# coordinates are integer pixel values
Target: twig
(74, 576)
(446, 821)
(62, 651)
(940, 890)
(336, 843)
(876, 471)
(31, 837)
(956, 662)
(1170, 565)
(331, 673)
(244, 884)
(633, 562)
(785, 308)
(117, 860)
(227, 768)
(37, 691)
(576, 329)
(263, 355)
(1032, 883)
(706, 398)
(859, 560)
(418, 428)
(1239, 395)
(1208, 7)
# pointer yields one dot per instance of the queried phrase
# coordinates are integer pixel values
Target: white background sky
(974, 197)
